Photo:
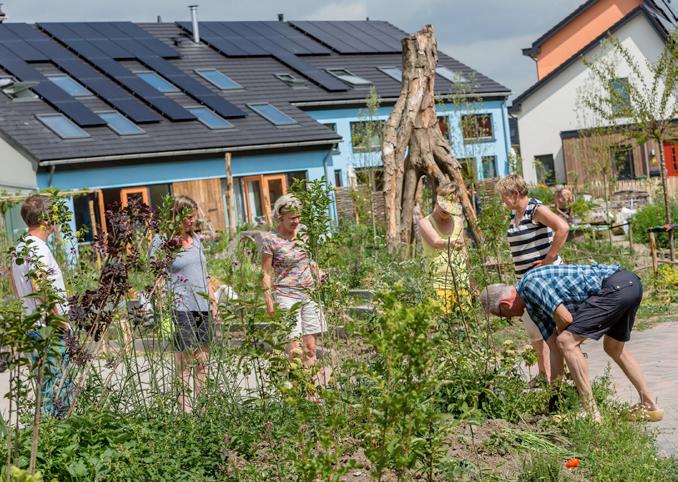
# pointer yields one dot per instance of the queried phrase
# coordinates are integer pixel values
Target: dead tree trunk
(413, 144)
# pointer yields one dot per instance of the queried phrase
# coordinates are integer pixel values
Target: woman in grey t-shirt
(188, 287)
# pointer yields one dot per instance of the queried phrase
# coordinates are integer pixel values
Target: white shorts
(310, 318)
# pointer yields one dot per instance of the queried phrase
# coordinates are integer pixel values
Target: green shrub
(543, 193)
(650, 216)
(542, 467)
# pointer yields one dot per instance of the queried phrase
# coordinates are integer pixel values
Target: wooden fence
(651, 185)
(358, 204)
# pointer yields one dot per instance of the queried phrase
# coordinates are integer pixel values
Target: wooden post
(230, 206)
(653, 252)
(630, 237)
(95, 229)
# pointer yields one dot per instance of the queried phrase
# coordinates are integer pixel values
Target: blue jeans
(55, 401)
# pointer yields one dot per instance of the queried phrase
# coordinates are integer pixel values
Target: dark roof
(660, 9)
(256, 74)
(649, 13)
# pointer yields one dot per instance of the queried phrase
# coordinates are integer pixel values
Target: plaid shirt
(544, 288)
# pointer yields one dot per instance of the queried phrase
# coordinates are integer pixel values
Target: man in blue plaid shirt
(570, 303)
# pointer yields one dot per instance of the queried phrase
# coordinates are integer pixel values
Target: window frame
(191, 109)
(622, 87)
(549, 180)
(615, 152)
(451, 75)
(494, 159)
(24, 95)
(40, 118)
(200, 73)
(85, 91)
(477, 138)
(291, 81)
(139, 132)
(363, 82)
(385, 70)
(372, 147)
(161, 78)
(253, 106)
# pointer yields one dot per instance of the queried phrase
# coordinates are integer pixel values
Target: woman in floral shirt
(289, 277)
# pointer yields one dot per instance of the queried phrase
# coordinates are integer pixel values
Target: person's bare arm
(267, 268)
(562, 317)
(560, 229)
(431, 236)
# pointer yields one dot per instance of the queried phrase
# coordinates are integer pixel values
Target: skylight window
(450, 75)
(68, 84)
(394, 72)
(155, 81)
(292, 81)
(120, 124)
(349, 78)
(209, 118)
(62, 126)
(218, 79)
(272, 114)
(18, 91)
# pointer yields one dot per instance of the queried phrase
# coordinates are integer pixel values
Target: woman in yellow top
(442, 236)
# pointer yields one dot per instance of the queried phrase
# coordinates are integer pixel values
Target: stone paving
(656, 349)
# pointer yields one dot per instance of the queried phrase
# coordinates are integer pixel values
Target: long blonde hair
(180, 205)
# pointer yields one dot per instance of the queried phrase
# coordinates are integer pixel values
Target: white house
(548, 112)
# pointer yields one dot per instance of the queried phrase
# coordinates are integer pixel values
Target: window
(218, 79)
(338, 178)
(120, 124)
(333, 127)
(477, 127)
(545, 167)
(468, 169)
(62, 126)
(622, 161)
(18, 91)
(292, 81)
(366, 135)
(155, 81)
(272, 114)
(349, 78)
(370, 176)
(69, 85)
(489, 167)
(450, 75)
(394, 72)
(209, 118)
(620, 97)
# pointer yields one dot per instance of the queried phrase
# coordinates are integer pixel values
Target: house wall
(553, 108)
(499, 146)
(580, 31)
(17, 172)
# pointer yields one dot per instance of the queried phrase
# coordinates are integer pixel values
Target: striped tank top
(529, 241)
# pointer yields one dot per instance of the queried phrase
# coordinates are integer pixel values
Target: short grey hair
(285, 204)
(492, 295)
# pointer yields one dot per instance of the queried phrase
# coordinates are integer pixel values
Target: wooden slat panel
(207, 193)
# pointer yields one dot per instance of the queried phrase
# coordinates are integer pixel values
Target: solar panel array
(276, 39)
(31, 45)
(105, 43)
(354, 37)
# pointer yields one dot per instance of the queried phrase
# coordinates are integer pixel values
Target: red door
(671, 159)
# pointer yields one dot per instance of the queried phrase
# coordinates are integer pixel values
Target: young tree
(641, 102)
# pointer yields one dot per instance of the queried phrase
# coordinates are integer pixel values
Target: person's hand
(458, 244)
(561, 325)
(323, 276)
(543, 262)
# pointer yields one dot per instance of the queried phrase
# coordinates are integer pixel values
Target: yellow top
(447, 274)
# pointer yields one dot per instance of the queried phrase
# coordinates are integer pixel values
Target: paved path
(656, 349)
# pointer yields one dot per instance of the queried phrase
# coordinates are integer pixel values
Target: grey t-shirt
(188, 277)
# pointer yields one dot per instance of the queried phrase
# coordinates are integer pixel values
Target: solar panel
(348, 37)
(136, 32)
(329, 82)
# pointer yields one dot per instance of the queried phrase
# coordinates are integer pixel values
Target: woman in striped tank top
(536, 236)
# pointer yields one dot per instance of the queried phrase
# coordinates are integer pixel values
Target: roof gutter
(320, 103)
(216, 150)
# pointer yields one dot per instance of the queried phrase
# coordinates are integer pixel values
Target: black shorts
(191, 330)
(611, 312)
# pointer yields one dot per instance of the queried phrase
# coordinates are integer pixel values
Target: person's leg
(310, 358)
(615, 349)
(557, 362)
(183, 364)
(569, 345)
(200, 358)
(541, 348)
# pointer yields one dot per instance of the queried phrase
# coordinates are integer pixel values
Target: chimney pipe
(281, 17)
(159, 19)
(194, 21)
(3, 16)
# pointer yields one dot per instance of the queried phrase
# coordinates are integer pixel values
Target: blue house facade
(129, 110)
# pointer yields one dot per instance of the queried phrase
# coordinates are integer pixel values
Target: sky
(487, 35)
